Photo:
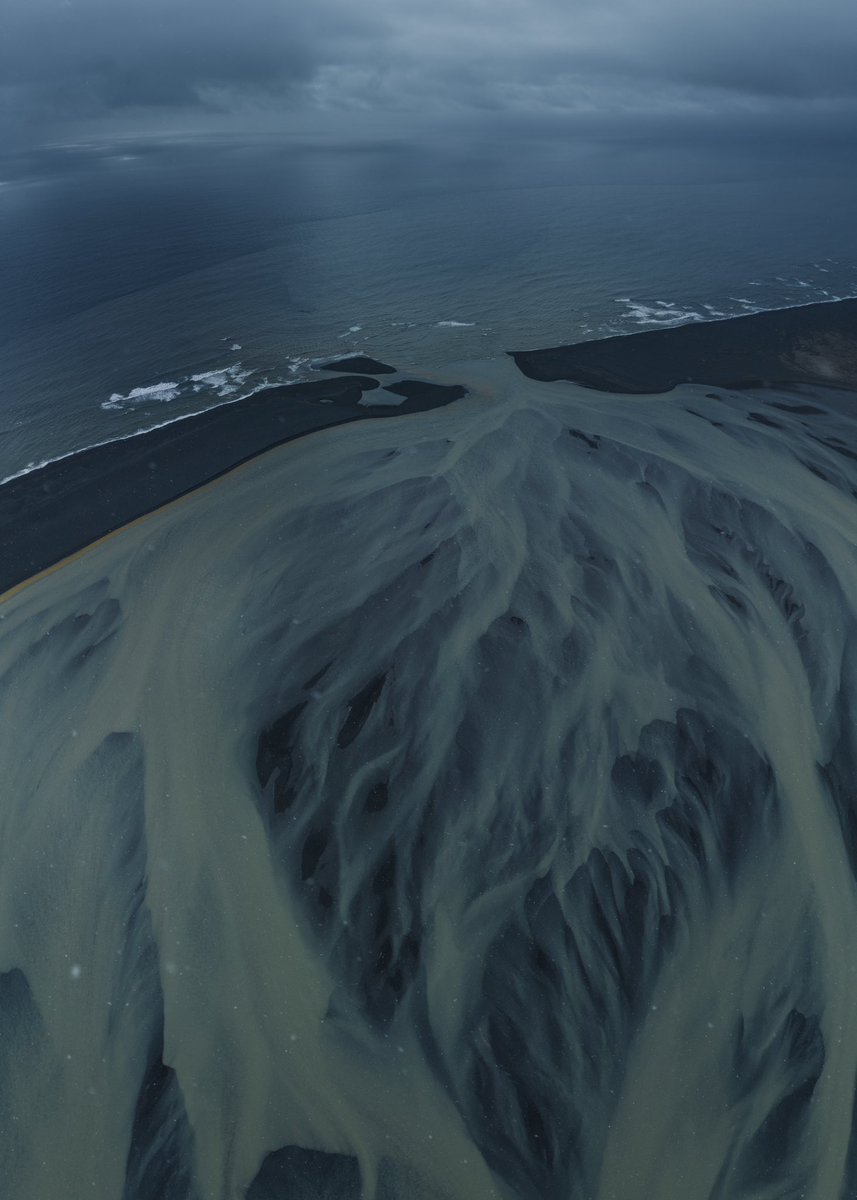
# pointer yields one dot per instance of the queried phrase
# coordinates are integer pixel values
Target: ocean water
(142, 282)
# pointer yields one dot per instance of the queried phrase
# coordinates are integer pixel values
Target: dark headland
(58, 509)
(810, 344)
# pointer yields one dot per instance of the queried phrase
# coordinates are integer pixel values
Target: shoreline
(783, 347)
(54, 511)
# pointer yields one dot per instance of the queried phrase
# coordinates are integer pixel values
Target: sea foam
(220, 382)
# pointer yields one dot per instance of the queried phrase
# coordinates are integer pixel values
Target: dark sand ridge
(360, 364)
(813, 343)
(58, 509)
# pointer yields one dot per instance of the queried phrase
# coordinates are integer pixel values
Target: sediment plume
(459, 805)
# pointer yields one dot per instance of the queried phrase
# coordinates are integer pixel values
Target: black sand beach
(813, 343)
(62, 507)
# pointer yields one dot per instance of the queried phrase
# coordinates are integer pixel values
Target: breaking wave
(811, 286)
(220, 384)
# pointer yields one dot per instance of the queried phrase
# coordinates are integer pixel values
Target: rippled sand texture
(456, 806)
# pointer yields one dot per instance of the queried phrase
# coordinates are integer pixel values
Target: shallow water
(458, 805)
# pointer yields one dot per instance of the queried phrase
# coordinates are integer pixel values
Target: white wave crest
(660, 312)
(225, 382)
(159, 392)
(222, 382)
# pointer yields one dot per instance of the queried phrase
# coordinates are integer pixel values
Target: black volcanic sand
(416, 391)
(58, 509)
(62, 507)
(360, 363)
(815, 343)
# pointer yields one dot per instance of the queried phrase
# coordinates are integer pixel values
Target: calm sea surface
(143, 283)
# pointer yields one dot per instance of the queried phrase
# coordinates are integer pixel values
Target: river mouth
(456, 804)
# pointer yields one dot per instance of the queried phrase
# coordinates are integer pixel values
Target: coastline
(783, 347)
(55, 511)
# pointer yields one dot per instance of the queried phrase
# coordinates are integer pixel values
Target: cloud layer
(400, 62)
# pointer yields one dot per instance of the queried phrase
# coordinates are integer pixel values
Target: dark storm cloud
(101, 54)
(419, 61)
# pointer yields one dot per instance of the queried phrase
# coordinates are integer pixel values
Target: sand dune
(454, 806)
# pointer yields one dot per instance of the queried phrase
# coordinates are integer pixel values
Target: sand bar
(813, 343)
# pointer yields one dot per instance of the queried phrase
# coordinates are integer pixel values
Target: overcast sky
(390, 66)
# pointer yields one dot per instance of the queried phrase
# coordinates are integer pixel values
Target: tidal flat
(453, 806)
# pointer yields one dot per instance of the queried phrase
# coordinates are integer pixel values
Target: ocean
(143, 282)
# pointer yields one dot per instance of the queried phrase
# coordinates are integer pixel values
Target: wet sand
(451, 807)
